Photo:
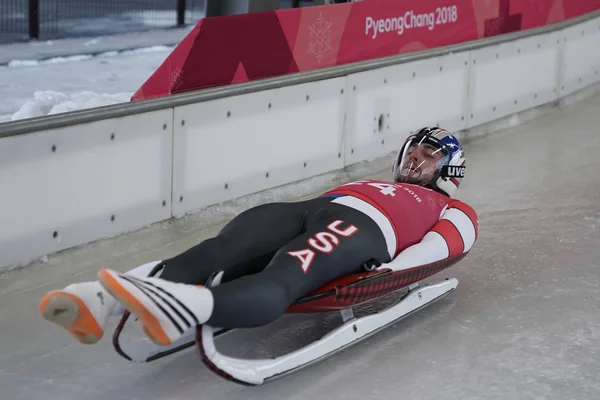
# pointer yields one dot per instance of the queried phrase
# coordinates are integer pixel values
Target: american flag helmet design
(445, 175)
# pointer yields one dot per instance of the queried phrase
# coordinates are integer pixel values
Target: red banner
(238, 48)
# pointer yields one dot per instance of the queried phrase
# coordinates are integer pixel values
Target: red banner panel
(239, 48)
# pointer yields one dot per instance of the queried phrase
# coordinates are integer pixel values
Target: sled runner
(340, 295)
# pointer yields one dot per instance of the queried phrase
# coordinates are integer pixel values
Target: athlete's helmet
(433, 158)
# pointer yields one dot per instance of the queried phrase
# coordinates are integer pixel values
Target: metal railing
(55, 19)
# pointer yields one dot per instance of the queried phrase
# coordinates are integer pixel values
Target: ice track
(524, 322)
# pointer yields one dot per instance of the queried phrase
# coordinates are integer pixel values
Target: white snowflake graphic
(176, 78)
(320, 37)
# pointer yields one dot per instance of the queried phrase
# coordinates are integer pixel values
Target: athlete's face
(421, 163)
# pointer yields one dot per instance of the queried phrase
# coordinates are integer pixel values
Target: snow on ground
(33, 88)
(52, 102)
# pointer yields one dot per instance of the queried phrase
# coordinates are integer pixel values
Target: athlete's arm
(454, 234)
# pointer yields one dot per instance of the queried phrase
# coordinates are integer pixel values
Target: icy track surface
(35, 88)
(523, 323)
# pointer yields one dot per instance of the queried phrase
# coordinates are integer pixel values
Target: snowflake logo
(176, 78)
(320, 37)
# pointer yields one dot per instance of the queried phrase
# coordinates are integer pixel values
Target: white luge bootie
(165, 309)
(82, 309)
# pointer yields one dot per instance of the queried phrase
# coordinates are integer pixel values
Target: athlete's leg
(337, 241)
(245, 245)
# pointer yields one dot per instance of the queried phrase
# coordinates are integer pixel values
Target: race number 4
(386, 189)
(324, 242)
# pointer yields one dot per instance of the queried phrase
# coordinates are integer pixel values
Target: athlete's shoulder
(463, 206)
(461, 213)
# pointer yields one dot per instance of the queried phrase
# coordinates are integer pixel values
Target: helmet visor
(421, 159)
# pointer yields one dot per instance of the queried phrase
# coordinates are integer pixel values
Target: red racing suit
(420, 226)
